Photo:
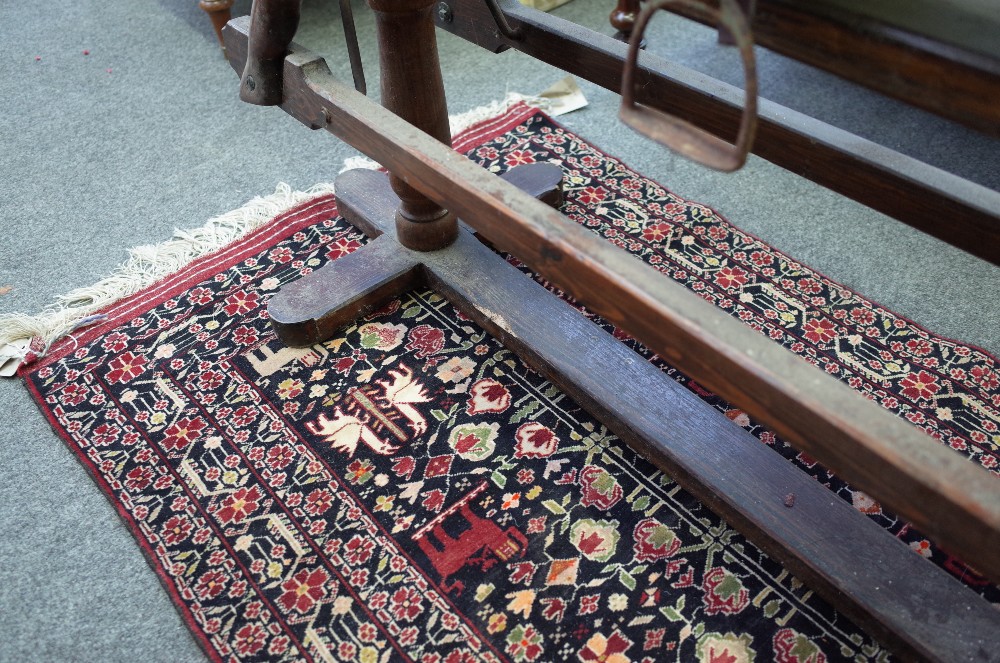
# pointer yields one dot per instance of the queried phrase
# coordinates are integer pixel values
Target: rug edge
(23, 335)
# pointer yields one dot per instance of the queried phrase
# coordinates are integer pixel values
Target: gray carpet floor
(116, 148)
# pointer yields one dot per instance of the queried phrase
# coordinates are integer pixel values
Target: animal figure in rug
(481, 542)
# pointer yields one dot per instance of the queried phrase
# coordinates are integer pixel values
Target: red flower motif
(176, 530)
(210, 585)
(104, 435)
(984, 377)
(250, 639)
(434, 500)
(115, 342)
(406, 604)
(919, 385)
(426, 340)
(730, 277)
(244, 335)
(319, 501)
(184, 432)
(240, 302)
(724, 593)
(281, 254)
(599, 488)
(656, 232)
(200, 296)
(358, 550)
(519, 158)
(919, 347)
(124, 367)
(343, 365)
(73, 394)
(654, 541)
(209, 380)
(488, 152)
(139, 478)
(342, 247)
(535, 440)
(243, 416)
(593, 195)
(820, 330)
(237, 506)
(404, 466)
(792, 647)
(487, 395)
(303, 590)
(279, 456)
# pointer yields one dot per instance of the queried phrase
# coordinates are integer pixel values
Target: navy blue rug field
(410, 490)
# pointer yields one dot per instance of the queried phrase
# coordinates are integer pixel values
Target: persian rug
(410, 490)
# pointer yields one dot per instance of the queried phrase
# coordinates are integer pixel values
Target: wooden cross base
(819, 537)
(310, 310)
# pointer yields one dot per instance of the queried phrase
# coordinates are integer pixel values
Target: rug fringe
(145, 266)
(150, 263)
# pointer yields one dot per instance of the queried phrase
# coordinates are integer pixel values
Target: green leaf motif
(554, 507)
(672, 614)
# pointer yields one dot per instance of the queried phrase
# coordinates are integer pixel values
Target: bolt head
(444, 12)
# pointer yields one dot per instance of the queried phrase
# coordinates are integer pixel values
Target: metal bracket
(680, 135)
(503, 26)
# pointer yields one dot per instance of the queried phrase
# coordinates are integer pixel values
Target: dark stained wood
(943, 76)
(220, 13)
(311, 309)
(412, 89)
(940, 204)
(941, 493)
(272, 26)
(623, 18)
(871, 576)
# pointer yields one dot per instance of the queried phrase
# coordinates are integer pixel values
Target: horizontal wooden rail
(944, 495)
(945, 77)
(929, 199)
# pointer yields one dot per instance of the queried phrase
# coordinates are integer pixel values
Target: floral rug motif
(409, 490)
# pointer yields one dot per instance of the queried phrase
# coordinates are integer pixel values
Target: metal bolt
(251, 83)
(444, 12)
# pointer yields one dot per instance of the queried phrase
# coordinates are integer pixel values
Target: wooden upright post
(412, 89)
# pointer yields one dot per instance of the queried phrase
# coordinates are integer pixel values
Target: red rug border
(125, 517)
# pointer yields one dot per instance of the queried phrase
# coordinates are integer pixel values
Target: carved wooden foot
(219, 12)
(311, 309)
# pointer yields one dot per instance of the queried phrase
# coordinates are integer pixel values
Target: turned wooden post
(412, 89)
(623, 18)
(219, 12)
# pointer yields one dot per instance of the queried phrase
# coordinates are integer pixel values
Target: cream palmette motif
(369, 414)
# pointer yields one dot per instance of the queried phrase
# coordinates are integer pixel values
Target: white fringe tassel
(145, 266)
(148, 264)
